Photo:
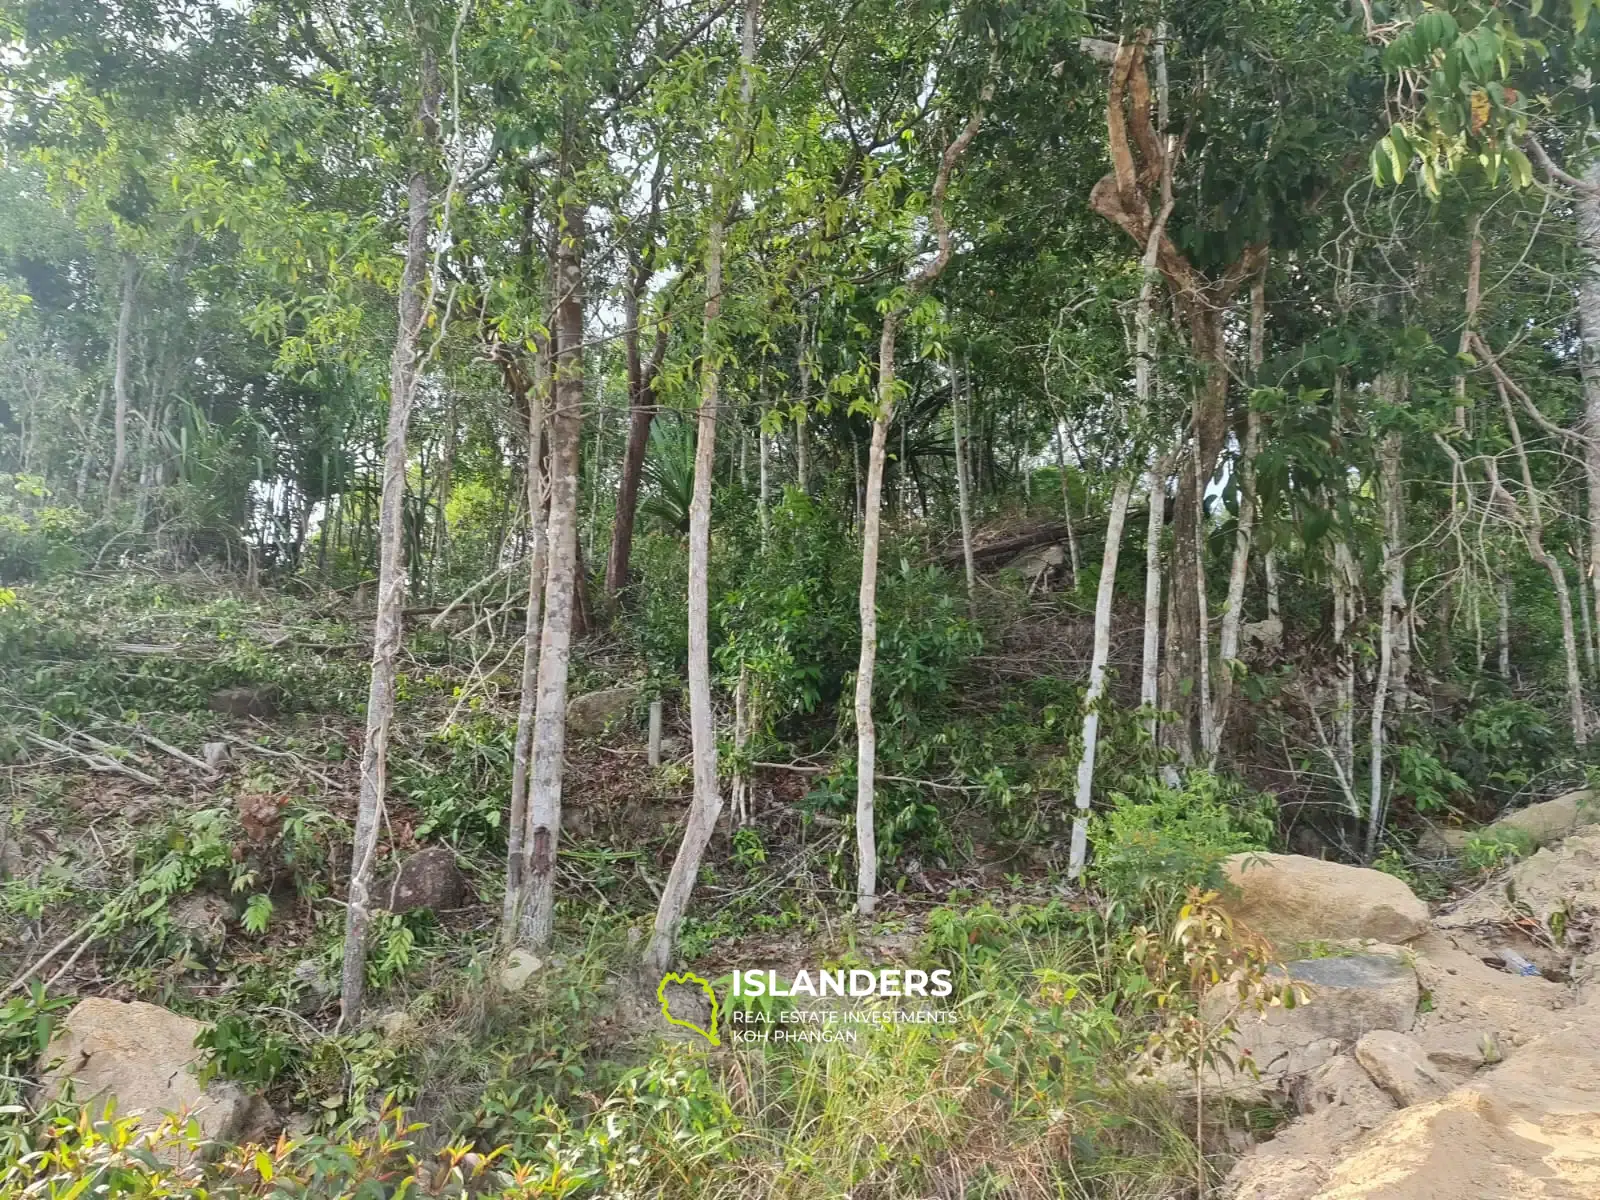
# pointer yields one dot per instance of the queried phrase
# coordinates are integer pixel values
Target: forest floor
(181, 761)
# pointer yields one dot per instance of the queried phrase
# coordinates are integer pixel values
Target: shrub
(1156, 842)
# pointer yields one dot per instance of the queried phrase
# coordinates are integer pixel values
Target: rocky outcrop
(1493, 1090)
(144, 1057)
(1543, 823)
(1290, 900)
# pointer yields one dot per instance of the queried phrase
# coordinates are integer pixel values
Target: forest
(890, 599)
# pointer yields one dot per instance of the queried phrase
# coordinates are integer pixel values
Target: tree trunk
(1097, 677)
(538, 555)
(119, 380)
(1532, 524)
(802, 455)
(707, 803)
(542, 836)
(1066, 504)
(1150, 665)
(866, 729)
(963, 503)
(387, 623)
(1586, 202)
(1391, 614)
(641, 411)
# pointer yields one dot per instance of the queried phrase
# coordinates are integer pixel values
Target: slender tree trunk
(802, 454)
(1532, 524)
(963, 503)
(765, 496)
(1391, 615)
(641, 411)
(1239, 569)
(866, 729)
(387, 623)
(1269, 564)
(119, 380)
(86, 463)
(1150, 666)
(542, 836)
(1066, 504)
(707, 803)
(538, 557)
(1344, 688)
(1208, 719)
(1503, 627)
(1586, 203)
(1097, 677)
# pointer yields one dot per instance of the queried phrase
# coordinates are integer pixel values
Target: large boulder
(1476, 1012)
(144, 1057)
(590, 715)
(428, 879)
(1563, 879)
(1552, 820)
(1290, 899)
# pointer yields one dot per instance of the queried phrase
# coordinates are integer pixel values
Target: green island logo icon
(689, 979)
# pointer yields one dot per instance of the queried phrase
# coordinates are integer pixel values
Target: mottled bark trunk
(538, 559)
(1391, 616)
(1078, 853)
(866, 729)
(387, 623)
(542, 836)
(706, 805)
(1150, 664)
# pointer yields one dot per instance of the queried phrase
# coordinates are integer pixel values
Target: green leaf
(1521, 168)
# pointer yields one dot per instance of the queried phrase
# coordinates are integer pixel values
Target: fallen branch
(265, 752)
(183, 757)
(50, 954)
(1041, 536)
(101, 763)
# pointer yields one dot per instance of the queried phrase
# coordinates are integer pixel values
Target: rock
(1471, 1002)
(244, 702)
(1563, 879)
(589, 715)
(1290, 899)
(398, 1025)
(428, 879)
(1400, 1067)
(1459, 1050)
(1441, 841)
(1261, 637)
(1038, 564)
(215, 754)
(202, 918)
(1345, 998)
(1343, 1104)
(1552, 820)
(1528, 1128)
(520, 967)
(144, 1056)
